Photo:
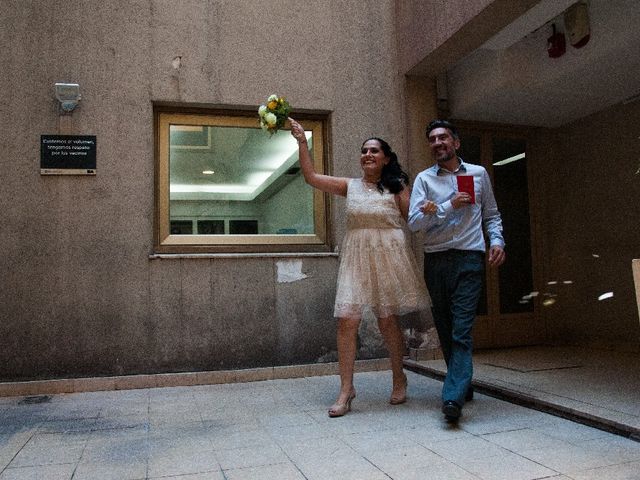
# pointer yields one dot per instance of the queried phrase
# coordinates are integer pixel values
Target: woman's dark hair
(392, 176)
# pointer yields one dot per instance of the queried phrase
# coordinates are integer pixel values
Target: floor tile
(623, 471)
(316, 449)
(228, 439)
(250, 457)
(378, 440)
(507, 466)
(523, 440)
(118, 450)
(182, 462)
(434, 471)
(569, 459)
(343, 468)
(467, 449)
(34, 454)
(279, 471)
(48, 472)
(111, 470)
(395, 459)
(212, 475)
(297, 432)
(286, 420)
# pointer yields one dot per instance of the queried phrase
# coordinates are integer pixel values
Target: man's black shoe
(451, 410)
(469, 396)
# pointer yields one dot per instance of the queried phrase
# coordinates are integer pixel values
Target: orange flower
(272, 105)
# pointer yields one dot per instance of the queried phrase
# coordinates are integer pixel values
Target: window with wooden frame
(225, 185)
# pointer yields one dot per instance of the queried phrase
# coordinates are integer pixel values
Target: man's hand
(496, 256)
(429, 208)
(461, 199)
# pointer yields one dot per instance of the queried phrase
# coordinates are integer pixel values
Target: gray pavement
(279, 429)
(596, 386)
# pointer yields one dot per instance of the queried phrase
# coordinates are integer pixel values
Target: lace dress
(377, 268)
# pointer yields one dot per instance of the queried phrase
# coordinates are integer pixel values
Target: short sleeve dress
(377, 267)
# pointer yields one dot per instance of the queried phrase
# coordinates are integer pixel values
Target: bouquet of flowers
(274, 113)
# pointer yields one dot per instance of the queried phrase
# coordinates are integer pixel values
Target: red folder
(465, 184)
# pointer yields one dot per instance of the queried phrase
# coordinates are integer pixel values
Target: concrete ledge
(419, 354)
(132, 382)
(181, 256)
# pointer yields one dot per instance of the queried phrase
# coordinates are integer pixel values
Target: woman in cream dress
(377, 268)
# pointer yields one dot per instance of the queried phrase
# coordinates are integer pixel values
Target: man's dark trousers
(454, 279)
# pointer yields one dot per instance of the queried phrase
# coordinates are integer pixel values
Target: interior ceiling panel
(514, 81)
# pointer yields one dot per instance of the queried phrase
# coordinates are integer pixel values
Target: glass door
(507, 310)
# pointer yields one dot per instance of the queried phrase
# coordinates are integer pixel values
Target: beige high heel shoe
(399, 398)
(340, 409)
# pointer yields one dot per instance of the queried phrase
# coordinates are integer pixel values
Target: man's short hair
(433, 124)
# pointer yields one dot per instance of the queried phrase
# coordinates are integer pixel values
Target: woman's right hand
(326, 183)
(297, 131)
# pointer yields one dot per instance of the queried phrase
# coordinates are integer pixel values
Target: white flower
(271, 119)
(262, 110)
(272, 98)
(264, 126)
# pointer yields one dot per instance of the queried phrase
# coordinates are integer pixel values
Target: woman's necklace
(370, 186)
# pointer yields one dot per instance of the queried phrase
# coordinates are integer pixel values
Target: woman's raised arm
(325, 183)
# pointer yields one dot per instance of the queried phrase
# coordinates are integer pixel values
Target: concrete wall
(433, 35)
(591, 231)
(79, 294)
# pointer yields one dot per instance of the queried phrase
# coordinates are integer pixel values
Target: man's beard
(445, 156)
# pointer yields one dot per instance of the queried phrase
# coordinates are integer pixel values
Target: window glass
(224, 183)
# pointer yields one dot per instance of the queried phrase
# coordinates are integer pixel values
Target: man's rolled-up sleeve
(490, 214)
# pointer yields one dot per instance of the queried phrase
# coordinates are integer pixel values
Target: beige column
(420, 108)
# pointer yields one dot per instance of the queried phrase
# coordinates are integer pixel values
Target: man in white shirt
(452, 212)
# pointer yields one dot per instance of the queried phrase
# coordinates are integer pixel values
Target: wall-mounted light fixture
(68, 94)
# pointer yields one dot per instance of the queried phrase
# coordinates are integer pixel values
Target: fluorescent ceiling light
(520, 156)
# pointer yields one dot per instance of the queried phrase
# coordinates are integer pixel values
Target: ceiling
(512, 80)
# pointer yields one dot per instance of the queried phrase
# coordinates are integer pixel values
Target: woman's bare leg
(347, 339)
(395, 342)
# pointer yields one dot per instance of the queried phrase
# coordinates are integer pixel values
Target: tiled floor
(279, 429)
(599, 385)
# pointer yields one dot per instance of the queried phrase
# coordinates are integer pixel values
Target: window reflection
(237, 181)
